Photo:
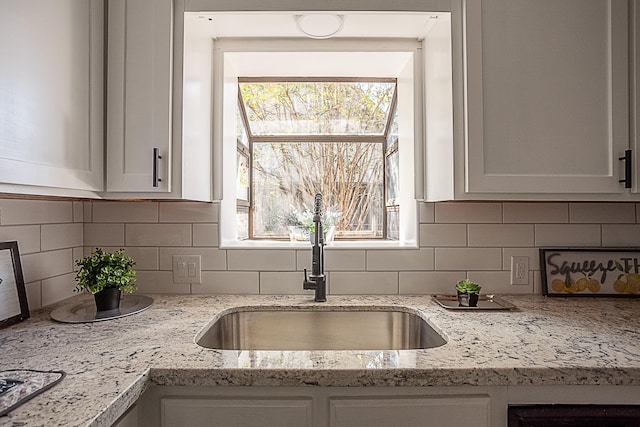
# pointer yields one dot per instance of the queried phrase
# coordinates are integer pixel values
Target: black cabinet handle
(156, 161)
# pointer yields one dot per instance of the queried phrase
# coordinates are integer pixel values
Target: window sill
(272, 244)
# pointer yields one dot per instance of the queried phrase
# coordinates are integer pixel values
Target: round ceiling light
(319, 25)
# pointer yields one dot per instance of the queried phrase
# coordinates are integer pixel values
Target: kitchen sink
(319, 330)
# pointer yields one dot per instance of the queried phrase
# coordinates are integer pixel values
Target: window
(383, 203)
(301, 136)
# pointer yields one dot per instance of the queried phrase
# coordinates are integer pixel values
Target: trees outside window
(337, 137)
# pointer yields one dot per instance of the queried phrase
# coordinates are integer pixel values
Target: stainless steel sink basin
(319, 330)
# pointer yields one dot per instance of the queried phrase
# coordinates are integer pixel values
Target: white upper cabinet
(51, 97)
(158, 107)
(545, 99)
(139, 88)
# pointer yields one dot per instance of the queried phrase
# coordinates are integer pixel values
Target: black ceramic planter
(107, 299)
(467, 300)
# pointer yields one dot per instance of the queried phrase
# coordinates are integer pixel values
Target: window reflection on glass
(393, 222)
(241, 132)
(242, 218)
(392, 164)
(242, 176)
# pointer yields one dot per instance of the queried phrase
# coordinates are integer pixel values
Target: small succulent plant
(466, 286)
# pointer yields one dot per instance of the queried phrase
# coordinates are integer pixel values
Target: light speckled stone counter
(109, 364)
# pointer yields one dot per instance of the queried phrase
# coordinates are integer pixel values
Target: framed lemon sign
(591, 272)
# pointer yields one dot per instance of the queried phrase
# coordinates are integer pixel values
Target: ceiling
(414, 25)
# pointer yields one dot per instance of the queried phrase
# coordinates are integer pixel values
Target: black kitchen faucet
(317, 280)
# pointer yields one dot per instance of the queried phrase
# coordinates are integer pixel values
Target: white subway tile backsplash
(26, 212)
(343, 260)
(620, 235)
(78, 211)
(27, 236)
(537, 282)
(400, 259)
(303, 259)
(34, 295)
(360, 283)
(77, 254)
(188, 212)
(500, 235)
(100, 235)
(532, 253)
(159, 282)
(261, 260)
(468, 259)
(499, 282)
(43, 265)
(87, 211)
(429, 282)
(282, 282)
(443, 235)
(590, 213)
(538, 212)
(158, 234)
(57, 288)
(466, 212)
(227, 282)
(567, 235)
(457, 240)
(205, 235)
(60, 236)
(125, 212)
(145, 258)
(427, 212)
(210, 258)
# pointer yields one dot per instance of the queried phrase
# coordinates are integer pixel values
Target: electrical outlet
(519, 270)
(186, 269)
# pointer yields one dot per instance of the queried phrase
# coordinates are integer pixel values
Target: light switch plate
(187, 269)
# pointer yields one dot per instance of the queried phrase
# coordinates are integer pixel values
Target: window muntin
(344, 154)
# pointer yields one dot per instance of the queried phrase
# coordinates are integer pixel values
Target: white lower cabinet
(235, 411)
(320, 407)
(472, 406)
(440, 411)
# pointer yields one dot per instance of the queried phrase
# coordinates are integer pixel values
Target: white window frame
(395, 58)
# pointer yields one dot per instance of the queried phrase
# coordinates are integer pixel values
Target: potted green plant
(468, 293)
(106, 275)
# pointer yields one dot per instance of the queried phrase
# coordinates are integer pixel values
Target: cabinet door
(236, 412)
(450, 411)
(51, 95)
(139, 76)
(547, 100)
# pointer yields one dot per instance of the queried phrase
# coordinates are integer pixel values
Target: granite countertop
(109, 364)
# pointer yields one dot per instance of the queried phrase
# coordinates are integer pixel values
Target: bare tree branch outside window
(308, 137)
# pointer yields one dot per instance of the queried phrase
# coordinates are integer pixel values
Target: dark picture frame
(585, 272)
(13, 295)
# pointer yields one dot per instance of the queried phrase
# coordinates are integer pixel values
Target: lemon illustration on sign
(630, 284)
(593, 285)
(633, 283)
(582, 283)
(558, 285)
